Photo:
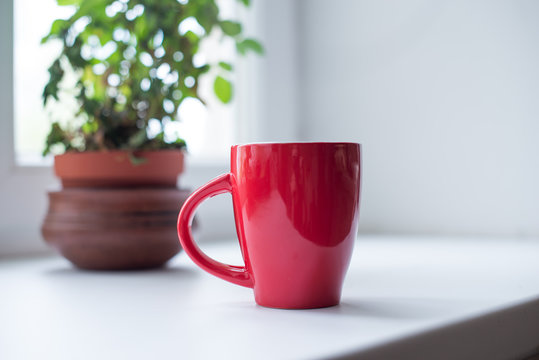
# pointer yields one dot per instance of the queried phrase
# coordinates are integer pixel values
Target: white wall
(444, 97)
(272, 95)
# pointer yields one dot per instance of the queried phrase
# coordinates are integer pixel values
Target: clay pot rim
(113, 168)
(117, 152)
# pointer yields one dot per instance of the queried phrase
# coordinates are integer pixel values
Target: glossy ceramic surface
(296, 207)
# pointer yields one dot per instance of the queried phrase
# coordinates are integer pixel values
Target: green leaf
(68, 2)
(249, 45)
(230, 28)
(179, 143)
(56, 74)
(142, 27)
(204, 68)
(225, 65)
(56, 136)
(246, 2)
(192, 37)
(138, 138)
(73, 54)
(136, 160)
(223, 89)
(206, 14)
(89, 127)
(57, 27)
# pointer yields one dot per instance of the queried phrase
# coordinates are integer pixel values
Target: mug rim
(298, 143)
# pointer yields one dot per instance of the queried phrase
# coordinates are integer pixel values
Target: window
(265, 110)
(209, 131)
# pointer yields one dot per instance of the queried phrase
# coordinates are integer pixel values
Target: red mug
(296, 207)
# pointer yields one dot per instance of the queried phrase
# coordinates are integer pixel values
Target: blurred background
(443, 96)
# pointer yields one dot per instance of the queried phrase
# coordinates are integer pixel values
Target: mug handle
(235, 274)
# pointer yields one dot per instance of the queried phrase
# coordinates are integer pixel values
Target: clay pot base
(114, 229)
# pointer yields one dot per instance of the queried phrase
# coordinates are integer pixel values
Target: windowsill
(403, 298)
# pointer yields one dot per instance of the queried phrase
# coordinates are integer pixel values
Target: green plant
(133, 63)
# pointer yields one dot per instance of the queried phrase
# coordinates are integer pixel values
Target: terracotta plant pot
(113, 214)
(114, 229)
(115, 169)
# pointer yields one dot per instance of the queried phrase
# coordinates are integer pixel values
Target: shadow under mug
(296, 208)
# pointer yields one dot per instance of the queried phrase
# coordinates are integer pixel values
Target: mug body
(296, 207)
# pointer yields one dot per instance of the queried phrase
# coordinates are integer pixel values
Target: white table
(405, 298)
